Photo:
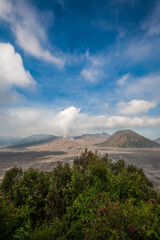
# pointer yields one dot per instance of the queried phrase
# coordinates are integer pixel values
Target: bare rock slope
(128, 139)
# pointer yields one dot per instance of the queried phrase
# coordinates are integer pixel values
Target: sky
(69, 67)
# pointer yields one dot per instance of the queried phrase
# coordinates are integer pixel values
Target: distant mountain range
(124, 139)
(157, 140)
(128, 139)
(36, 139)
(102, 135)
(8, 140)
(28, 141)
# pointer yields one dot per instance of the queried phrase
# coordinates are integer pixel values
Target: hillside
(102, 135)
(128, 139)
(8, 140)
(32, 140)
(157, 140)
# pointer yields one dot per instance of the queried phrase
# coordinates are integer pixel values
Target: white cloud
(146, 87)
(28, 28)
(68, 122)
(139, 49)
(93, 69)
(5, 8)
(125, 122)
(11, 69)
(152, 25)
(135, 107)
(94, 59)
(123, 79)
(12, 73)
(91, 75)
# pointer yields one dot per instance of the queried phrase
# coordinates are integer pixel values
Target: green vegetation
(94, 199)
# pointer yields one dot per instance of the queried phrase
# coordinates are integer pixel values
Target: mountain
(128, 139)
(8, 140)
(102, 135)
(157, 140)
(32, 140)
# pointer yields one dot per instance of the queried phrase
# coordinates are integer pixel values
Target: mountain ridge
(157, 140)
(5, 140)
(94, 135)
(128, 139)
(32, 140)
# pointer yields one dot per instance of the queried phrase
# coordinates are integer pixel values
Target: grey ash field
(45, 156)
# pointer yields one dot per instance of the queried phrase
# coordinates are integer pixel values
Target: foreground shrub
(11, 218)
(97, 216)
(10, 179)
(57, 195)
(95, 199)
(31, 190)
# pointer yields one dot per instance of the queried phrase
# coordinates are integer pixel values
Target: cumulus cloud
(135, 107)
(12, 73)
(28, 28)
(68, 122)
(25, 121)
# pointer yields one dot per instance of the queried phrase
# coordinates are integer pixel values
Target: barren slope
(128, 139)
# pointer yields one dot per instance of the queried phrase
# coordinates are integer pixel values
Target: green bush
(94, 199)
(10, 179)
(11, 218)
(31, 190)
(57, 197)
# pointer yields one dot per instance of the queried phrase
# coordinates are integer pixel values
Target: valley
(46, 156)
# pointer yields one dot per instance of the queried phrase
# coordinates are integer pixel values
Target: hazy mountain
(157, 140)
(8, 140)
(33, 140)
(128, 139)
(102, 135)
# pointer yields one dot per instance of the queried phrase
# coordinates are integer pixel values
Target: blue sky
(68, 67)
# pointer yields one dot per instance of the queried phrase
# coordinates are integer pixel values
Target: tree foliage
(93, 199)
